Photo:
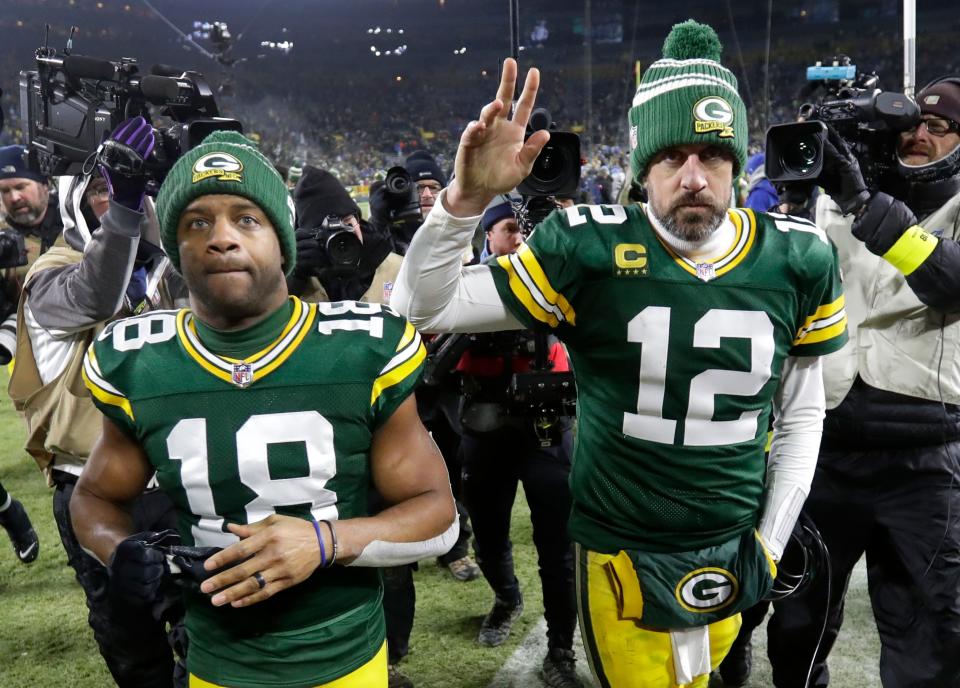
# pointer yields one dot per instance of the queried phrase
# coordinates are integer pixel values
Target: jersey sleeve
(105, 392)
(539, 281)
(823, 319)
(403, 359)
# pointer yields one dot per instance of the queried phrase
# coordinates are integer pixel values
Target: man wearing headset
(887, 481)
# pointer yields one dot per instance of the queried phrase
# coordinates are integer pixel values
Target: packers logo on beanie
(226, 162)
(686, 98)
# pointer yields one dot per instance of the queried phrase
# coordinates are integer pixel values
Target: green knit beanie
(687, 97)
(226, 162)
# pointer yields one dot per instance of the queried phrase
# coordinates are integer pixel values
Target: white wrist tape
(380, 553)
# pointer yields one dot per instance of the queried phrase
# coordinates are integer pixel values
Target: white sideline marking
(522, 669)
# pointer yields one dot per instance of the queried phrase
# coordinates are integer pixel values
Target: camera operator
(502, 447)
(340, 257)
(399, 204)
(70, 293)
(887, 482)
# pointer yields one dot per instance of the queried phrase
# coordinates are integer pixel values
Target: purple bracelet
(323, 554)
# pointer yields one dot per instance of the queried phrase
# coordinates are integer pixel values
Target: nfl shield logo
(705, 271)
(387, 290)
(242, 374)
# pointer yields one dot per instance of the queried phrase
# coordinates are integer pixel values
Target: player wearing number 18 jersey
(290, 433)
(266, 420)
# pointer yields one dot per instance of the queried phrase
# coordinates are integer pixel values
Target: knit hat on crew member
(495, 213)
(941, 98)
(13, 166)
(226, 163)
(421, 165)
(687, 98)
(319, 194)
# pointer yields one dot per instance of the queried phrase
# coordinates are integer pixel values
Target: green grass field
(45, 640)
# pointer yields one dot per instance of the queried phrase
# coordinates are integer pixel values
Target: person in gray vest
(888, 482)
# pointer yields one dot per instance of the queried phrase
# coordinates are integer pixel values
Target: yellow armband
(913, 247)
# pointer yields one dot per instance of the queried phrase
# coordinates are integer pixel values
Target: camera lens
(549, 165)
(344, 248)
(800, 156)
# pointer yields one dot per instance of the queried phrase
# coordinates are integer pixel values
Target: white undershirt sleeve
(798, 409)
(436, 292)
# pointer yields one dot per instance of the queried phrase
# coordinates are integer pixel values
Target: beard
(26, 216)
(693, 225)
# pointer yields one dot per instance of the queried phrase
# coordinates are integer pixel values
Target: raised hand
(493, 157)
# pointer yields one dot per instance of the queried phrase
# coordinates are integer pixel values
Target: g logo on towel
(707, 590)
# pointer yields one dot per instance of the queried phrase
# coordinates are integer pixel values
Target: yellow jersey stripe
(539, 277)
(105, 396)
(294, 317)
(397, 374)
(824, 312)
(408, 334)
(194, 353)
(523, 294)
(288, 351)
(911, 250)
(824, 333)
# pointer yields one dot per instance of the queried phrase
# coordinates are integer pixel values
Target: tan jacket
(895, 340)
(380, 287)
(60, 417)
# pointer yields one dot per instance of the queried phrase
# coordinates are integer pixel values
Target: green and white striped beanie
(687, 97)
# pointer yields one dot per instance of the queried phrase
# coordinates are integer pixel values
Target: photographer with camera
(28, 206)
(100, 274)
(399, 204)
(504, 444)
(887, 482)
(340, 257)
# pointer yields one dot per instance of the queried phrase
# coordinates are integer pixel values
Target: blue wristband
(323, 554)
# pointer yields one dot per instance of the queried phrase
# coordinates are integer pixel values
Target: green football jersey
(676, 363)
(289, 431)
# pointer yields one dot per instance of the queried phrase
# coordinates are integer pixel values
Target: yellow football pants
(621, 652)
(373, 674)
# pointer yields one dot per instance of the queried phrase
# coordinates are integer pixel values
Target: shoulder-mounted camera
(70, 103)
(556, 172)
(866, 117)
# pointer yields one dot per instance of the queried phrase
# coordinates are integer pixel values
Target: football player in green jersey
(689, 325)
(266, 419)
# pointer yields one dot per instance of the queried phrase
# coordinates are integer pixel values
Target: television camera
(70, 103)
(866, 117)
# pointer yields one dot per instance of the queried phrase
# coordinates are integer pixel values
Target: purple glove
(122, 161)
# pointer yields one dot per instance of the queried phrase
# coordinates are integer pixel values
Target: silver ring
(261, 582)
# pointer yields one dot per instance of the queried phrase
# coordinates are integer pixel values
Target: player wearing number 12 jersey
(689, 326)
(266, 420)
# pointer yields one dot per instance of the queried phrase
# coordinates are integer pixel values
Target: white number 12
(651, 328)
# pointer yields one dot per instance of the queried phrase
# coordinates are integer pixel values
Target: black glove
(310, 254)
(883, 221)
(138, 567)
(841, 177)
(122, 160)
(186, 564)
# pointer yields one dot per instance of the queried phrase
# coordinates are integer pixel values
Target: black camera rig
(556, 172)
(70, 103)
(867, 118)
(342, 249)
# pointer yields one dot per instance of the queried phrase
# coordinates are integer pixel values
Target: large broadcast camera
(867, 118)
(71, 103)
(556, 172)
